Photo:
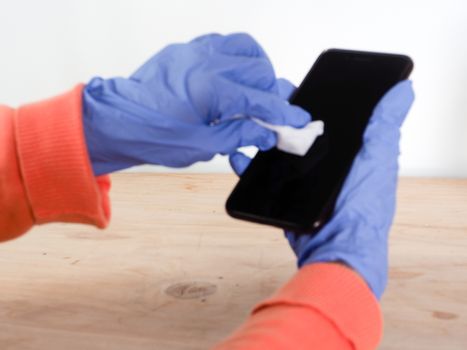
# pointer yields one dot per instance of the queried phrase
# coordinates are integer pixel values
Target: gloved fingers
(254, 72)
(230, 135)
(269, 107)
(274, 110)
(249, 133)
(259, 73)
(239, 162)
(285, 88)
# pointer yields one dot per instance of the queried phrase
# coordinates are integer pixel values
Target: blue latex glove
(177, 108)
(357, 234)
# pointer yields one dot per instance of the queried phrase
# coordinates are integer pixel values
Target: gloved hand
(357, 234)
(178, 108)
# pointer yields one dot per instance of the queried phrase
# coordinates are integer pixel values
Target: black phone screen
(299, 193)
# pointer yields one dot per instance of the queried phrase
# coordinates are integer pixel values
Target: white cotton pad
(295, 140)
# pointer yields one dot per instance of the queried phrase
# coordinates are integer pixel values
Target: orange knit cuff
(55, 165)
(340, 295)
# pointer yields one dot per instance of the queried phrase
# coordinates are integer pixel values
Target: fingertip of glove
(285, 88)
(400, 95)
(396, 103)
(300, 117)
(239, 162)
(268, 141)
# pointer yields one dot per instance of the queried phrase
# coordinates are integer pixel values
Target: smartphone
(298, 193)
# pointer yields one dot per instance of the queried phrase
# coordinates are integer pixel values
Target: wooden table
(173, 271)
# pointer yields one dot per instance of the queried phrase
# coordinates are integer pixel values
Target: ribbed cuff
(340, 295)
(54, 163)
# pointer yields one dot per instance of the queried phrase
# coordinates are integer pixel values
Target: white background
(47, 46)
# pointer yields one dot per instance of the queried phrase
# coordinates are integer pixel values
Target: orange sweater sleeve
(45, 171)
(324, 306)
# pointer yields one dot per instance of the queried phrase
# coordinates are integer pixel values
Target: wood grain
(173, 271)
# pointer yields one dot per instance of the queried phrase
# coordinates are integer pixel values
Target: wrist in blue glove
(177, 108)
(357, 234)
